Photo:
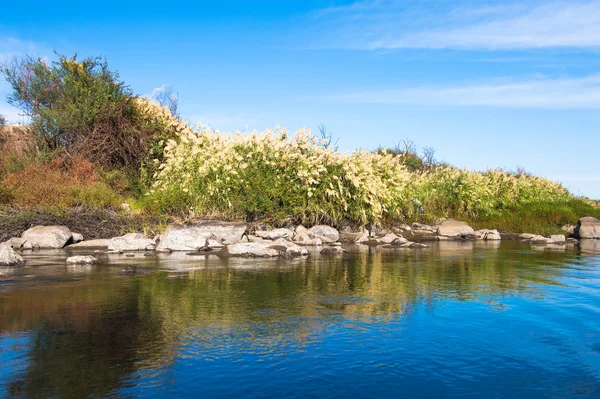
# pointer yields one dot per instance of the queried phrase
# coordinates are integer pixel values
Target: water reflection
(90, 331)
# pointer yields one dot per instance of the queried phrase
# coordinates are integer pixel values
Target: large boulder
(325, 233)
(454, 228)
(48, 236)
(588, 227)
(274, 234)
(131, 242)
(195, 235)
(8, 256)
(264, 249)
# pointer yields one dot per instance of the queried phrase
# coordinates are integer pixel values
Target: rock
(214, 244)
(325, 233)
(332, 251)
(558, 239)
(291, 249)
(417, 245)
(488, 235)
(364, 237)
(16, 243)
(568, 228)
(77, 237)
(8, 256)
(454, 228)
(304, 239)
(422, 227)
(125, 207)
(274, 234)
(527, 236)
(265, 249)
(131, 242)
(301, 230)
(48, 236)
(401, 228)
(540, 240)
(81, 260)
(252, 238)
(588, 227)
(387, 239)
(194, 235)
(100, 243)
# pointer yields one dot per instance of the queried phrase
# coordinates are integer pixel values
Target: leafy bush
(82, 108)
(273, 176)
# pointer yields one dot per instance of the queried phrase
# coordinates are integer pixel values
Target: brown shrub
(58, 183)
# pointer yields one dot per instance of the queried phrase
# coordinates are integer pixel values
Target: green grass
(539, 218)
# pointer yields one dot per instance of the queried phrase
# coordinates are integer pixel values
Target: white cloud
(536, 93)
(451, 25)
(11, 47)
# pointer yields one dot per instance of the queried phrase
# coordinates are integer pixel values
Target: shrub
(275, 176)
(58, 183)
(82, 108)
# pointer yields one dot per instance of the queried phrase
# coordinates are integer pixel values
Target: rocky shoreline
(229, 239)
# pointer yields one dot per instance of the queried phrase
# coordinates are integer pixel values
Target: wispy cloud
(12, 46)
(581, 92)
(467, 25)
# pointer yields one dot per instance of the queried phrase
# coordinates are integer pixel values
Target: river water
(455, 320)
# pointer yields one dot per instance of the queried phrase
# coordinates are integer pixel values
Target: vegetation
(93, 143)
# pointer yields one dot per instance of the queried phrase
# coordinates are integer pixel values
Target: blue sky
(486, 83)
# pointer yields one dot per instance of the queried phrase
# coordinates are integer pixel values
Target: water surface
(454, 320)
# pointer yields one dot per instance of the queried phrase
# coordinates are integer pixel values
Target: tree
(80, 107)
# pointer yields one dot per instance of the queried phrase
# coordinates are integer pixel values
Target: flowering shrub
(274, 175)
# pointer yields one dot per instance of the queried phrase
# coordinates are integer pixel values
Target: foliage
(60, 183)
(82, 108)
(2, 120)
(272, 175)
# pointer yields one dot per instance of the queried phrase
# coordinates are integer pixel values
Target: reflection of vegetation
(89, 336)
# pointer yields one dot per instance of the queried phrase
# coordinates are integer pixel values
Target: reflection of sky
(13, 357)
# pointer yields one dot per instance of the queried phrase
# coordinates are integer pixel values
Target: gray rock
(558, 239)
(540, 240)
(99, 243)
(527, 236)
(364, 237)
(422, 227)
(8, 256)
(265, 249)
(388, 239)
(48, 236)
(568, 228)
(195, 235)
(77, 237)
(488, 235)
(325, 233)
(81, 260)
(16, 243)
(291, 249)
(454, 228)
(301, 230)
(131, 242)
(588, 227)
(274, 234)
(304, 239)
